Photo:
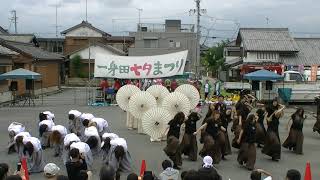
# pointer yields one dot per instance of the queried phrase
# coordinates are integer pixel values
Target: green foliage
(213, 60)
(77, 66)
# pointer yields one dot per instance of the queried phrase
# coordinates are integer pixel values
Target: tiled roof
(267, 39)
(31, 50)
(309, 52)
(24, 38)
(85, 24)
(3, 31)
(108, 47)
(6, 51)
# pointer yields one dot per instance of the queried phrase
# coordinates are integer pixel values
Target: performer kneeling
(272, 145)
(173, 149)
(45, 129)
(189, 145)
(19, 146)
(101, 125)
(119, 157)
(295, 139)
(14, 129)
(214, 138)
(67, 141)
(85, 152)
(33, 150)
(92, 138)
(74, 122)
(247, 152)
(57, 137)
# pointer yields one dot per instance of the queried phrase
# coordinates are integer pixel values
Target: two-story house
(157, 39)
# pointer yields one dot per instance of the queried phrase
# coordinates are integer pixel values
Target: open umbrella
(176, 102)
(140, 103)
(124, 94)
(155, 122)
(191, 92)
(159, 92)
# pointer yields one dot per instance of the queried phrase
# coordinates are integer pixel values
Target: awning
(263, 75)
(20, 74)
(234, 62)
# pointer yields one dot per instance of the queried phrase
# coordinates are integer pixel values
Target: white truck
(302, 90)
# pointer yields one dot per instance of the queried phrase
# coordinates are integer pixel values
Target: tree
(214, 60)
(77, 66)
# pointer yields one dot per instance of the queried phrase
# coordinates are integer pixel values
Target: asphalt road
(141, 148)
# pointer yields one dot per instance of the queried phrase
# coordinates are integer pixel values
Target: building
(14, 55)
(157, 39)
(269, 48)
(87, 55)
(3, 31)
(54, 45)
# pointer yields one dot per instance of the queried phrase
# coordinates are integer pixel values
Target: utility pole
(14, 19)
(139, 23)
(86, 10)
(198, 11)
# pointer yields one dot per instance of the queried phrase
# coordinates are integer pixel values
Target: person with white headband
(119, 157)
(84, 117)
(67, 141)
(208, 171)
(92, 138)
(33, 150)
(14, 129)
(74, 125)
(45, 129)
(50, 115)
(85, 152)
(57, 137)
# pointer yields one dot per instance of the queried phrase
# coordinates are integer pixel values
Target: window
(171, 44)
(178, 44)
(295, 77)
(150, 43)
(266, 56)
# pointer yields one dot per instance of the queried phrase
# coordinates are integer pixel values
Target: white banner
(139, 67)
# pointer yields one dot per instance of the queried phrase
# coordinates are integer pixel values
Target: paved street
(141, 148)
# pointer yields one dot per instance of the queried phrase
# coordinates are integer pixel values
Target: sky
(222, 18)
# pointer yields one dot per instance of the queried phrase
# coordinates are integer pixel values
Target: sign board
(139, 67)
(314, 69)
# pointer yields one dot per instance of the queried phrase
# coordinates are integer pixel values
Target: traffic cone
(307, 175)
(143, 167)
(25, 167)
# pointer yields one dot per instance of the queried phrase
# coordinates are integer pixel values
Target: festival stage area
(140, 146)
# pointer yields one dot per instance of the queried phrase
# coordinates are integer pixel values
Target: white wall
(93, 51)
(252, 57)
(84, 32)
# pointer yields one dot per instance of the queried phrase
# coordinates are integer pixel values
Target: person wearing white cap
(74, 125)
(92, 138)
(18, 140)
(105, 145)
(119, 157)
(208, 171)
(101, 125)
(57, 137)
(14, 129)
(67, 141)
(51, 171)
(45, 129)
(85, 152)
(33, 150)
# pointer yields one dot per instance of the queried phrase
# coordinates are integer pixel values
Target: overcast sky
(118, 16)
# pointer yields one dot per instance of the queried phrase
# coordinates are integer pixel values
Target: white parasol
(155, 122)
(124, 94)
(159, 92)
(176, 102)
(140, 103)
(191, 92)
